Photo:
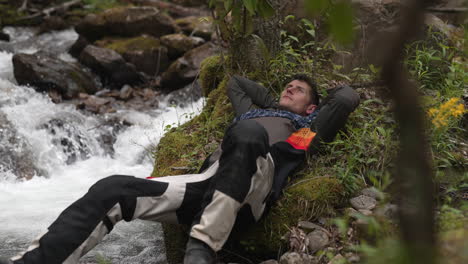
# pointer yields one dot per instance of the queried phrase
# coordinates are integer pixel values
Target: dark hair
(307, 79)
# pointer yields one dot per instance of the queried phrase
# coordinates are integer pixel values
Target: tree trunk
(415, 174)
(248, 53)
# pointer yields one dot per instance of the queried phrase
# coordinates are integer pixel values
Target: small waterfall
(67, 151)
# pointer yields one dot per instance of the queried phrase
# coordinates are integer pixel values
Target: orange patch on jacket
(301, 138)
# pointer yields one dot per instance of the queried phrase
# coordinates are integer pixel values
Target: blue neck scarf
(297, 120)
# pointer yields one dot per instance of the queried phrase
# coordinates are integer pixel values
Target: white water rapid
(68, 155)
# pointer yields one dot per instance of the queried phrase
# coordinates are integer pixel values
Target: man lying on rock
(237, 183)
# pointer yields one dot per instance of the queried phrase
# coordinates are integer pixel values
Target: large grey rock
(296, 258)
(178, 43)
(145, 52)
(126, 21)
(363, 202)
(318, 239)
(45, 72)
(15, 152)
(185, 69)
(110, 66)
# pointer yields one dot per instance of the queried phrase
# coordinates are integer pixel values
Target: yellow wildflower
(451, 108)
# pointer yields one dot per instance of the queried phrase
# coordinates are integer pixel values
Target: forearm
(244, 94)
(333, 115)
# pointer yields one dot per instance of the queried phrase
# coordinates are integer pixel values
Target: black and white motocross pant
(237, 184)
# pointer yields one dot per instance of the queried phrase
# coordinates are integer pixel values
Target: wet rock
(53, 23)
(55, 96)
(318, 239)
(145, 52)
(77, 47)
(196, 26)
(4, 36)
(110, 66)
(67, 137)
(7, 47)
(45, 72)
(372, 192)
(97, 105)
(178, 44)
(296, 258)
(183, 97)
(186, 68)
(127, 22)
(15, 152)
(126, 92)
(363, 202)
(148, 94)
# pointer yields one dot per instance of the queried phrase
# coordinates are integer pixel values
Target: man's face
(296, 97)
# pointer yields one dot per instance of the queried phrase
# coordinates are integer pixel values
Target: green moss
(454, 246)
(9, 15)
(123, 45)
(211, 73)
(451, 218)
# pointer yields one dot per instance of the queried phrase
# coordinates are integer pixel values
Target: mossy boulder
(307, 198)
(127, 22)
(44, 72)
(110, 66)
(196, 26)
(179, 43)
(186, 68)
(145, 52)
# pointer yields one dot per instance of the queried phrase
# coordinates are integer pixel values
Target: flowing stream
(67, 151)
